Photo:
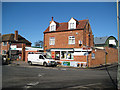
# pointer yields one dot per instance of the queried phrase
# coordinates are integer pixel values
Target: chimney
(16, 35)
(52, 18)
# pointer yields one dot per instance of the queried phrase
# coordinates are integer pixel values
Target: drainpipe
(105, 56)
(87, 57)
(10, 50)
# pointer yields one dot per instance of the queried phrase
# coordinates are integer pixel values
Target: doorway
(57, 55)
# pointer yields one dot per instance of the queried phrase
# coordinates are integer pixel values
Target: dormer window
(53, 28)
(71, 25)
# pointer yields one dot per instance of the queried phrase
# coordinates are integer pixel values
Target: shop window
(4, 43)
(71, 40)
(93, 56)
(30, 52)
(63, 54)
(66, 55)
(57, 55)
(52, 41)
(4, 52)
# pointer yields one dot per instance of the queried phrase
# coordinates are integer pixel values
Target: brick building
(14, 44)
(69, 41)
(72, 43)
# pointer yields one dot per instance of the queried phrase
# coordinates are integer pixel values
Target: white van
(41, 59)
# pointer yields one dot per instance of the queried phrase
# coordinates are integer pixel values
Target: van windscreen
(47, 56)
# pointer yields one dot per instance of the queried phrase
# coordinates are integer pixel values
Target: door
(41, 59)
(57, 55)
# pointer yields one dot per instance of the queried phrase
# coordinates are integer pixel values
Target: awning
(62, 49)
(82, 49)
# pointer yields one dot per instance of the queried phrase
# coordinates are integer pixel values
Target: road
(29, 77)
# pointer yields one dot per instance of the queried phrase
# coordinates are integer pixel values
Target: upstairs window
(71, 25)
(4, 43)
(52, 41)
(71, 40)
(53, 28)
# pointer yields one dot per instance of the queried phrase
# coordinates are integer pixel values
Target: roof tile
(64, 26)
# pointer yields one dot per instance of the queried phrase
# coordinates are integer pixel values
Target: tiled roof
(64, 26)
(100, 40)
(10, 37)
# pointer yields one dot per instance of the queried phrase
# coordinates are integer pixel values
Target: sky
(31, 19)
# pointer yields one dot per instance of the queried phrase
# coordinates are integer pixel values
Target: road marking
(39, 75)
(86, 86)
(29, 85)
(63, 69)
(33, 84)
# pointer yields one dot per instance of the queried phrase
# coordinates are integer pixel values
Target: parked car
(5, 60)
(41, 59)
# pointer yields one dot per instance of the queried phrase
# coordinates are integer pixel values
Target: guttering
(63, 30)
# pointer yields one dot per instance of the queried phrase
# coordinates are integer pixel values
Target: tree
(39, 44)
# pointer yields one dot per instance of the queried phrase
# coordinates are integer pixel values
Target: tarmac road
(29, 77)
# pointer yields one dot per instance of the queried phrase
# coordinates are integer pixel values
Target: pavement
(102, 67)
(19, 63)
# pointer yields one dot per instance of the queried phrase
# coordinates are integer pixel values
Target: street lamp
(118, 74)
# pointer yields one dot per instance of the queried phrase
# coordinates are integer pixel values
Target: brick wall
(100, 57)
(61, 39)
(80, 58)
(112, 55)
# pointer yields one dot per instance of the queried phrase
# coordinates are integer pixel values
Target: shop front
(71, 56)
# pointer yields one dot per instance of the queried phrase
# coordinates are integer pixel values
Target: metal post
(10, 50)
(118, 75)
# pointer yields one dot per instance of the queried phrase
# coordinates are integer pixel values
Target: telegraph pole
(118, 75)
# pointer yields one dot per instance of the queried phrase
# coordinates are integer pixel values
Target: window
(4, 52)
(71, 40)
(41, 57)
(93, 56)
(53, 28)
(52, 41)
(71, 25)
(30, 52)
(4, 43)
(66, 55)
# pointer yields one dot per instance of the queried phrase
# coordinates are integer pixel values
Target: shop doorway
(57, 55)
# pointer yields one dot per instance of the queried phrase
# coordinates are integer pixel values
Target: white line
(32, 84)
(85, 86)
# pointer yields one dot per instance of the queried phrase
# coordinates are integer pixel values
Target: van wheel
(30, 63)
(45, 64)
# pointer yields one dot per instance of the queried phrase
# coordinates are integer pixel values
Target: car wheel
(30, 63)
(55, 65)
(45, 64)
